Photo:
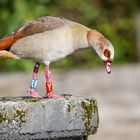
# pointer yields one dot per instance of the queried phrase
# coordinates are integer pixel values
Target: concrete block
(29, 118)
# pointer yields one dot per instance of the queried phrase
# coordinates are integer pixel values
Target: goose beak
(107, 65)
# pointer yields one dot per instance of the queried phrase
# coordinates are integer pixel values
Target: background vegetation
(115, 19)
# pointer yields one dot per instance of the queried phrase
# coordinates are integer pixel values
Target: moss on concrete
(70, 107)
(89, 109)
(4, 118)
(33, 100)
(21, 115)
(15, 115)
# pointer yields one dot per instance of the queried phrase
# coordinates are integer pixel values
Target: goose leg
(33, 84)
(49, 88)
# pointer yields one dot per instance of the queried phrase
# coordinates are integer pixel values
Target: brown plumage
(35, 26)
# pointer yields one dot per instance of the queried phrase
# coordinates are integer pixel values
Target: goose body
(51, 45)
(48, 39)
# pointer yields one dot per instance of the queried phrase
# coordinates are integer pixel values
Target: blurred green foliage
(114, 19)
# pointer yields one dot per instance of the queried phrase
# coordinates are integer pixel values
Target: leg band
(33, 84)
(49, 87)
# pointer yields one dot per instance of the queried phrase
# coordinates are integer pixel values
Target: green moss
(33, 100)
(70, 107)
(8, 117)
(20, 114)
(4, 118)
(89, 108)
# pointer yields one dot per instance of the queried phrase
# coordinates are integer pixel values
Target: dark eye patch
(107, 53)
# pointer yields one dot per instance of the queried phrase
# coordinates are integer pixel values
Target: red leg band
(49, 87)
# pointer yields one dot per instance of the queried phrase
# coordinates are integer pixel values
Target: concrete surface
(118, 95)
(29, 118)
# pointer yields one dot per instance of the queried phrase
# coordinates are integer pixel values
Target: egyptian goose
(48, 39)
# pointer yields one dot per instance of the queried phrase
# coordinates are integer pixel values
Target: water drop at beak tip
(109, 72)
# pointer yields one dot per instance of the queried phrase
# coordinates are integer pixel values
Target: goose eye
(107, 53)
